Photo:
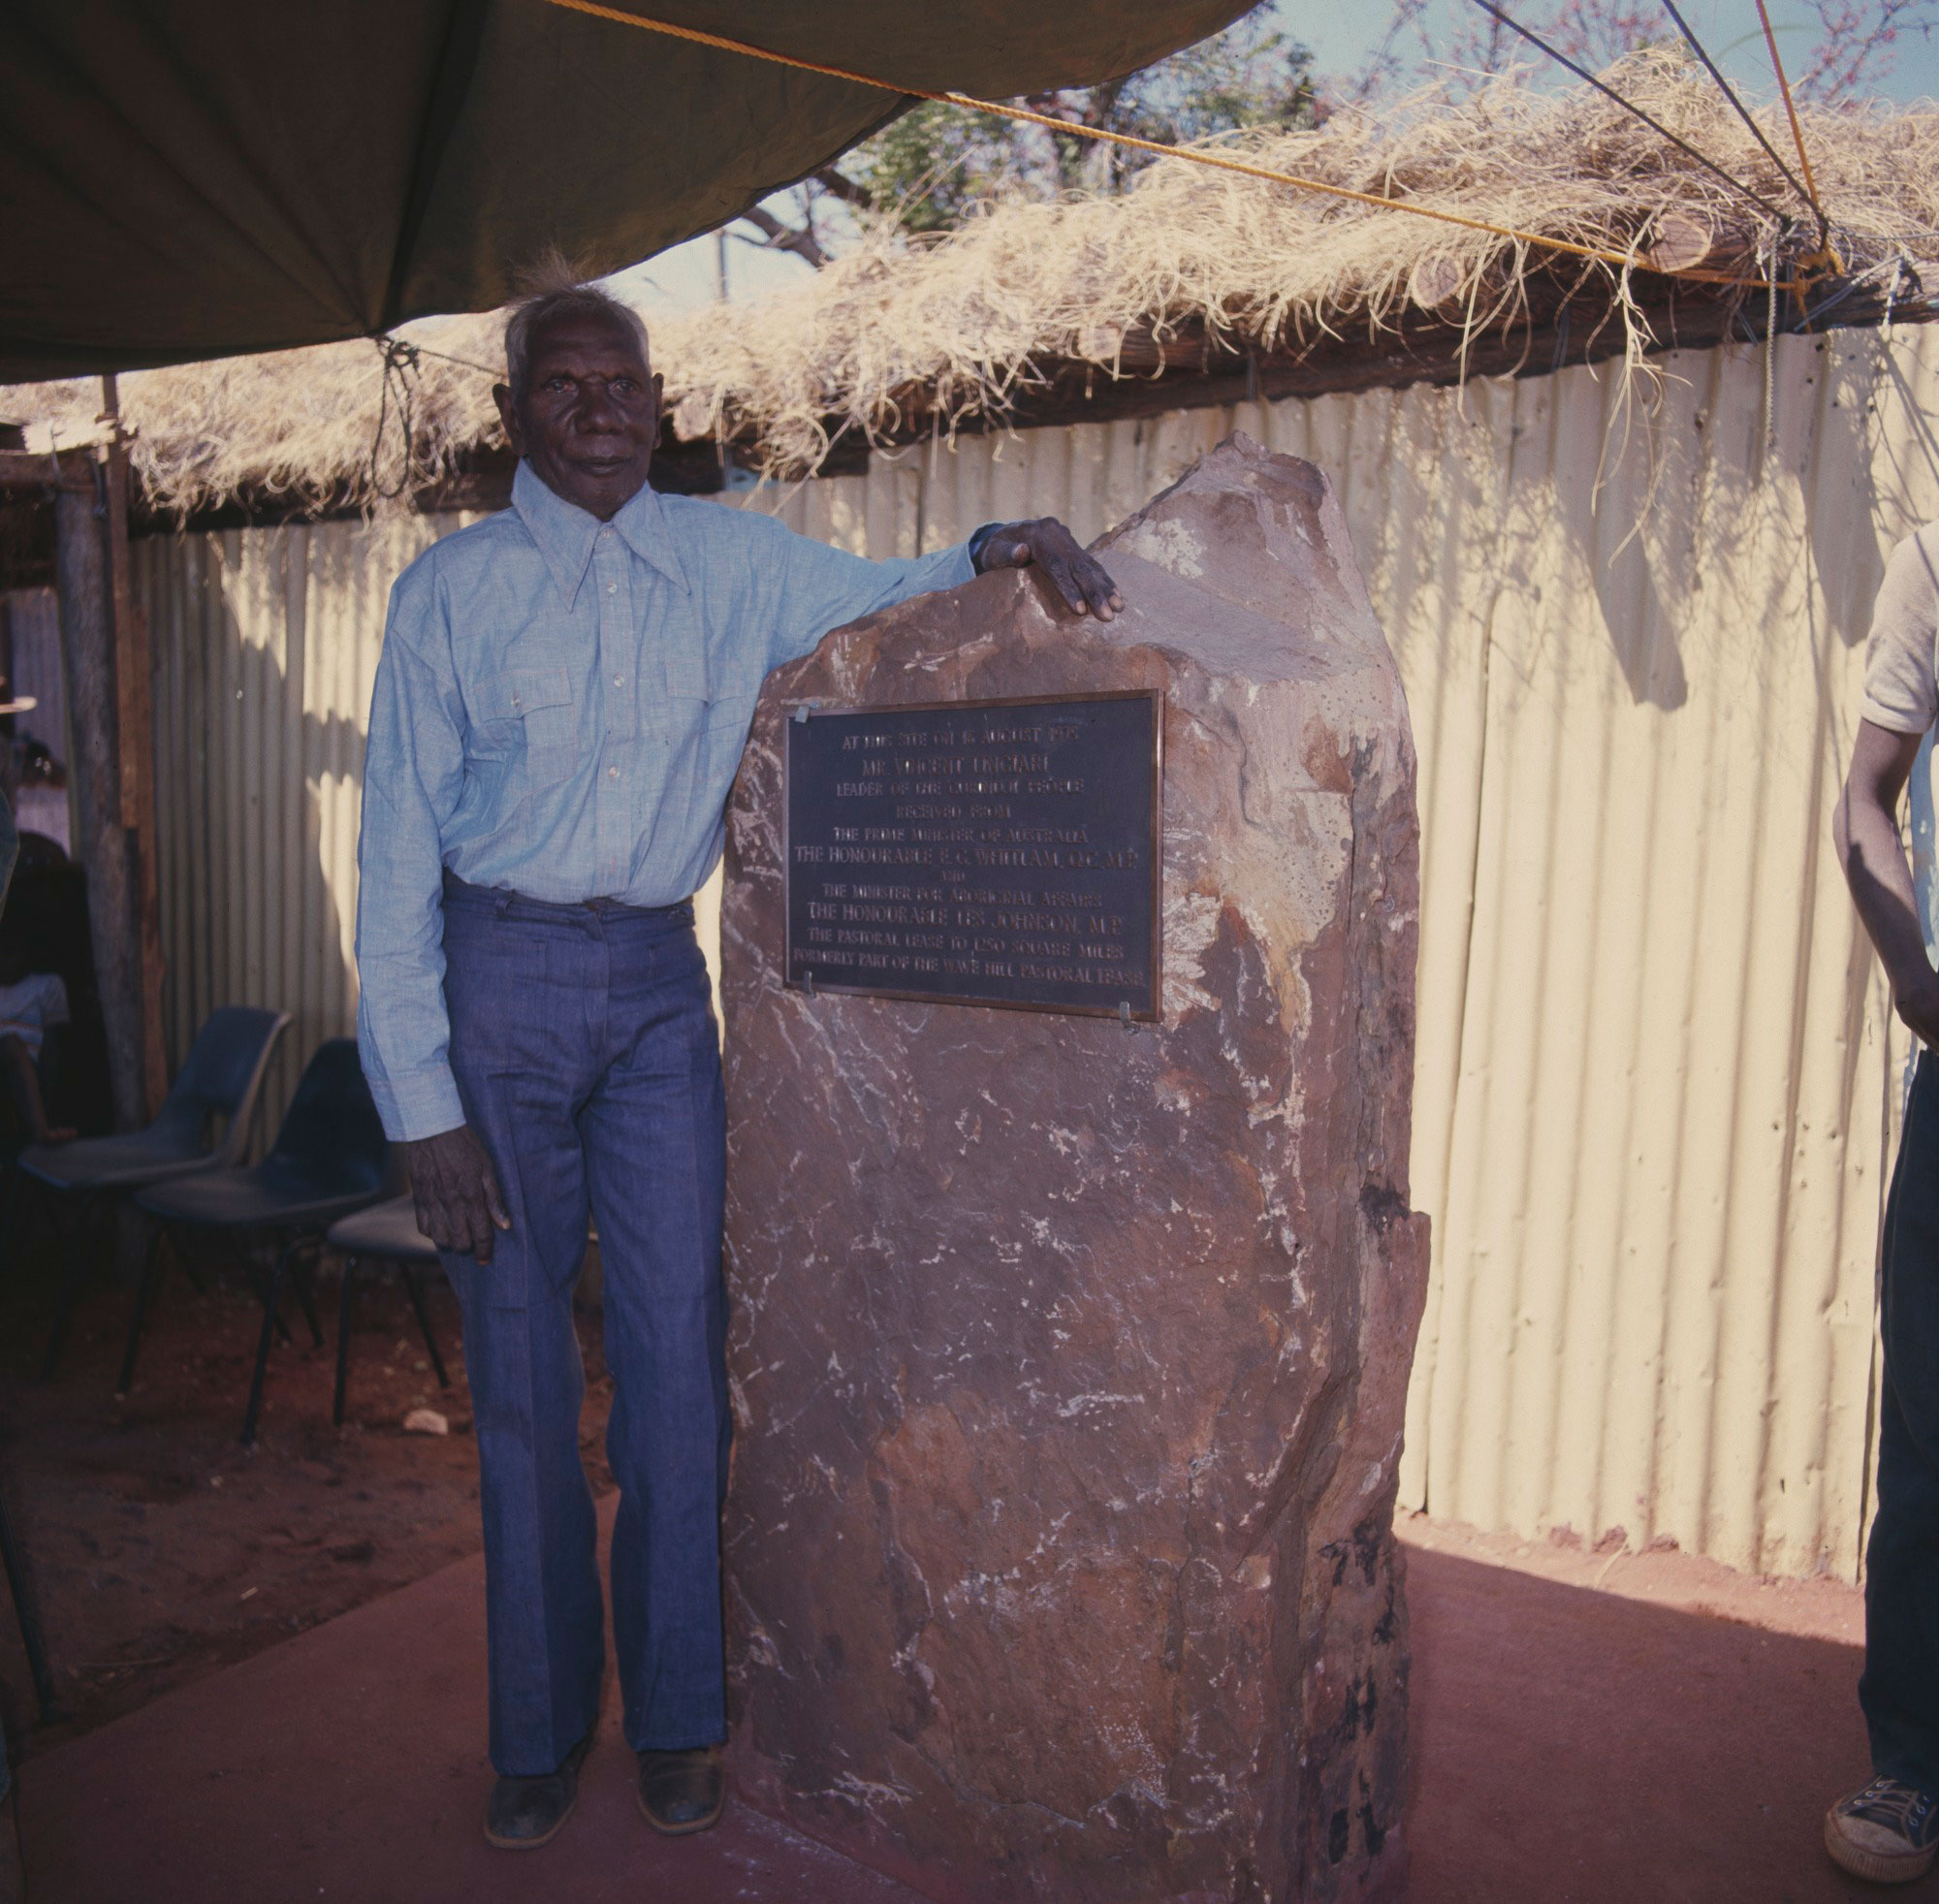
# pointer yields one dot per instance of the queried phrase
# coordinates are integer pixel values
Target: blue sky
(1340, 37)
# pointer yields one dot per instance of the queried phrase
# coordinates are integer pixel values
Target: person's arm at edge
(1871, 849)
(413, 771)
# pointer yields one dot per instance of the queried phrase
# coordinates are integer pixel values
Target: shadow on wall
(1618, 514)
(1860, 376)
(1639, 623)
(1635, 526)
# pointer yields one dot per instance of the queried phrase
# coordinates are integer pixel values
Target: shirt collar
(565, 534)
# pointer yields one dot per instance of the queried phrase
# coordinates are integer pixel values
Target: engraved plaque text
(979, 852)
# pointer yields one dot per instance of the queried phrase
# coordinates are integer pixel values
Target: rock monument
(1067, 1356)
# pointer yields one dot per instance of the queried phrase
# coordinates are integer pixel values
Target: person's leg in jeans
(654, 1139)
(520, 991)
(1900, 1690)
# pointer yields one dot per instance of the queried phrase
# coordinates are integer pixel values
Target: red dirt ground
(162, 1548)
(1587, 1729)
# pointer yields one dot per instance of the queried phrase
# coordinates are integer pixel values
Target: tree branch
(838, 185)
(781, 238)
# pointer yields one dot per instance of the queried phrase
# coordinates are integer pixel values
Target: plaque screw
(1125, 1014)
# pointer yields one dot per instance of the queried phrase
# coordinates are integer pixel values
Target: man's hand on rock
(455, 1192)
(1077, 575)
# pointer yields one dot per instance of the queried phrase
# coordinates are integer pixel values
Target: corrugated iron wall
(1656, 1073)
(265, 646)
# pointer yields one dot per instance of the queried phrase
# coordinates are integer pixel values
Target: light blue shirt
(559, 710)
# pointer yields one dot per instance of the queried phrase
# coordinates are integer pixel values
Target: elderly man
(563, 697)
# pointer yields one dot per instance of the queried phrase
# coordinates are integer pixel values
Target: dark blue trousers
(584, 1044)
(1899, 1690)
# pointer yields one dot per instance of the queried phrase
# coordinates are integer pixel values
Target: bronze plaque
(979, 852)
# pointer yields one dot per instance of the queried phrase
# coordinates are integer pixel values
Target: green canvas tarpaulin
(191, 178)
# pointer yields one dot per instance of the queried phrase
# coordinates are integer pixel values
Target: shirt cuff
(424, 1105)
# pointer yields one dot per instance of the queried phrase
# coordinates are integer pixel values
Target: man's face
(590, 414)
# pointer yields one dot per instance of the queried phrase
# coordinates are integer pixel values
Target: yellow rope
(1824, 256)
(1197, 155)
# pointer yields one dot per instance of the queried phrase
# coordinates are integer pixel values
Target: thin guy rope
(1197, 155)
(1738, 106)
(1797, 130)
(1630, 106)
(462, 363)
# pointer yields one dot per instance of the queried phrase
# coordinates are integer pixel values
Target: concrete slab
(348, 1764)
(1587, 1730)
(1626, 1729)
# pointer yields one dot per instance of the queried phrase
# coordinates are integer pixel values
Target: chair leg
(73, 1273)
(261, 1290)
(196, 1280)
(28, 1616)
(270, 1304)
(343, 1308)
(414, 1289)
(144, 1293)
(19, 1197)
(300, 1275)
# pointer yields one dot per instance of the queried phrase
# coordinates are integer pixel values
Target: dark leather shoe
(526, 1813)
(682, 1791)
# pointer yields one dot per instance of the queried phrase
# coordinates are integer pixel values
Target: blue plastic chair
(222, 1076)
(330, 1158)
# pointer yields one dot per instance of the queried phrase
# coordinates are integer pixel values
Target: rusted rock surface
(1068, 1365)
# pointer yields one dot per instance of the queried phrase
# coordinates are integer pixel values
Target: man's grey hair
(554, 289)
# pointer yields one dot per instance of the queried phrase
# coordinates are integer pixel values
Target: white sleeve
(1901, 692)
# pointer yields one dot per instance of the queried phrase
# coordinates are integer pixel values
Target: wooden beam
(130, 683)
(104, 845)
(41, 469)
(105, 658)
(133, 681)
(135, 735)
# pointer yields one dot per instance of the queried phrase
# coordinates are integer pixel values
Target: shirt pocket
(534, 704)
(729, 716)
(730, 686)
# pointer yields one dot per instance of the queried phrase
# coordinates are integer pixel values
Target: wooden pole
(106, 847)
(136, 751)
(105, 656)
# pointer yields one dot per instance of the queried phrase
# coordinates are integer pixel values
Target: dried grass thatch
(300, 425)
(969, 325)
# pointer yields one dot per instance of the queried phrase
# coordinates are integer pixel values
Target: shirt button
(612, 773)
(619, 680)
(611, 588)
